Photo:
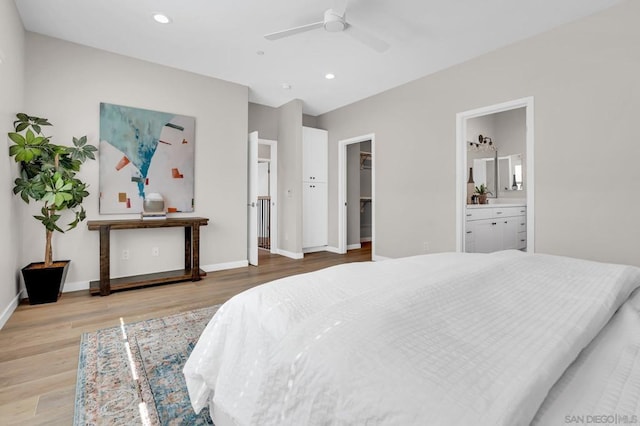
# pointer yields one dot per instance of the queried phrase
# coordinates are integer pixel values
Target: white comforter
(439, 339)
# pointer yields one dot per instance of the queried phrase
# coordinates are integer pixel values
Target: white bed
(452, 338)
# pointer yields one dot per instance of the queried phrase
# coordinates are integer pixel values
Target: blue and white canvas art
(143, 152)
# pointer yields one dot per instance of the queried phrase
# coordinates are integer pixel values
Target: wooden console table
(191, 271)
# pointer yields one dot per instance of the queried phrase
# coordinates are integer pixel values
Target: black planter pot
(44, 285)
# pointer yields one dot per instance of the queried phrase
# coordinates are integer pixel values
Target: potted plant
(482, 192)
(48, 176)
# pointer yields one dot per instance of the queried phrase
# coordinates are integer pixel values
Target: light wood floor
(39, 344)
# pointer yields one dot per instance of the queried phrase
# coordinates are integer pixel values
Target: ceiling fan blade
(339, 7)
(364, 37)
(291, 31)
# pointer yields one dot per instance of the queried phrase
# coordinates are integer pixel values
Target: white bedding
(437, 339)
(604, 382)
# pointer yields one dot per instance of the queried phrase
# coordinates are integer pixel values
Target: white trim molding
(342, 190)
(9, 310)
(461, 165)
(380, 258)
(314, 249)
(290, 255)
(84, 285)
(225, 265)
(75, 286)
(354, 246)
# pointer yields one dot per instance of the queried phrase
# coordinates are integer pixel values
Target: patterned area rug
(133, 374)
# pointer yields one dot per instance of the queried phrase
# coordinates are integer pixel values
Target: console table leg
(187, 248)
(105, 262)
(195, 271)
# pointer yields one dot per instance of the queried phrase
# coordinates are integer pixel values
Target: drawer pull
(468, 214)
(493, 223)
(498, 212)
(468, 232)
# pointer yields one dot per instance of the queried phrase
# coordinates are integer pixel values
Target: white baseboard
(75, 286)
(377, 258)
(84, 285)
(223, 266)
(314, 249)
(8, 311)
(290, 254)
(333, 249)
(366, 239)
(354, 246)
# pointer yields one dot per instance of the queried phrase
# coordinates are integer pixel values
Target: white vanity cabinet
(315, 202)
(490, 228)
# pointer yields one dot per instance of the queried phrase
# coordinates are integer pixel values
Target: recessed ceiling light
(286, 86)
(260, 52)
(161, 18)
(330, 76)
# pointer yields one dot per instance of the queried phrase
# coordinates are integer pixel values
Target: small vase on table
(470, 186)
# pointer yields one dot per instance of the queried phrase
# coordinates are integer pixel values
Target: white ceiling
(221, 38)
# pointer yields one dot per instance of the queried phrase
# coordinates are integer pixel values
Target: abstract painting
(143, 152)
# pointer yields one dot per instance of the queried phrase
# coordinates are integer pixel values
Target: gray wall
(290, 176)
(584, 78)
(66, 83)
(264, 120)
(309, 121)
(12, 59)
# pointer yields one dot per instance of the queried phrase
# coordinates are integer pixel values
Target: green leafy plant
(482, 190)
(48, 174)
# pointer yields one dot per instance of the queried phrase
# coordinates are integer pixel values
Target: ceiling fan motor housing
(334, 22)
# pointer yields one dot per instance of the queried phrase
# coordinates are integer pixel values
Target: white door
(342, 191)
(314, 155)
(315, 215)
(252, 200)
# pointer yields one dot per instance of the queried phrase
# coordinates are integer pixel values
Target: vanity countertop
(491, 205)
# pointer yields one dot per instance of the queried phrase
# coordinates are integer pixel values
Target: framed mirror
(484, 169)
(510, 173)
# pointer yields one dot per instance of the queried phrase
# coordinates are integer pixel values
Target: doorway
(356, 193)
(523, 173)
(262, 196)
(267, 195)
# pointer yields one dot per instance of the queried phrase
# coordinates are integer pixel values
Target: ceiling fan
(334, 21)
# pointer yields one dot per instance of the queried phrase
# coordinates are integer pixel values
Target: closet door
(315, 201)
(315, 214)
(314, 155)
